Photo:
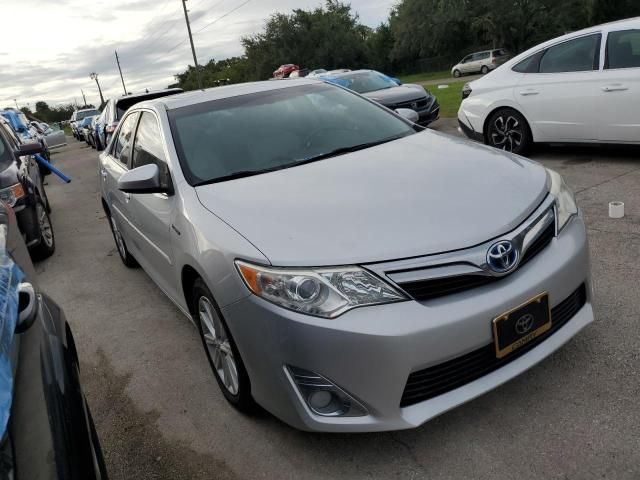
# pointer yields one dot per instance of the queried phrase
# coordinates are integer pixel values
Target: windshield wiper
(322, 156)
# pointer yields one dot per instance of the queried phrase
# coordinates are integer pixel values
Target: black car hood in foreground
(399, 94)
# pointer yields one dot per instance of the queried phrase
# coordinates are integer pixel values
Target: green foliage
(56, 114)
(420, 35)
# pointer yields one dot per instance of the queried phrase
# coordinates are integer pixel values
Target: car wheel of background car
(121, 246)
(484, 70)
(456, 73)
(508, 130)
(221, 351)
(47, 244)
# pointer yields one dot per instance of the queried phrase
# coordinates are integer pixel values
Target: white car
(581, 87)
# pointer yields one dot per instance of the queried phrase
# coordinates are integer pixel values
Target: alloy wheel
(506, 133)
(45, 225)
(218, 345)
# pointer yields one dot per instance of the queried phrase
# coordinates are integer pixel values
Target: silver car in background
(480, 62)
(346, 269)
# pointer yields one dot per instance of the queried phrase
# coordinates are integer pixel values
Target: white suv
(480, 62)
(581, 87)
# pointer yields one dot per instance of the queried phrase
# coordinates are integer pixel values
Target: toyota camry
(346, 269)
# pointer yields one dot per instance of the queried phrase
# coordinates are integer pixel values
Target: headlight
(565, 202)
(12, 194)
(322, 292)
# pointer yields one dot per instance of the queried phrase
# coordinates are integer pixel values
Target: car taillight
(494, 61)
(111, 128)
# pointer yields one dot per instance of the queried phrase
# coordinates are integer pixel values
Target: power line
(223, 16)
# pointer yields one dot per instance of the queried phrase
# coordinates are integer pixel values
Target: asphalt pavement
(160, 415)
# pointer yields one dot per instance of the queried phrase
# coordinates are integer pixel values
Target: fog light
(324, 397)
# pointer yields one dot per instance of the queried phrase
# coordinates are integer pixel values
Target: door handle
(28, 307)
(529, 91)
(614, 88)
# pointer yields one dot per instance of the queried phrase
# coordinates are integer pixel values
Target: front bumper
(370, 352)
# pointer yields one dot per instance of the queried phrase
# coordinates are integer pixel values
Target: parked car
(77, 116)
(284, 71)
(316, 73)
(53, 136)
(480, 62)
(17, 122)
(22, 188)
(390, 92)
(116, 108)
(49, 433)
(82, 127)
(89, 131)
(347, 269)
(583, 87)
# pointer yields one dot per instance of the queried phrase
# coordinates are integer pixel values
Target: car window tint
(285, 126)
(122, 145)
(576, 55)
(147, 147)
(623, 49)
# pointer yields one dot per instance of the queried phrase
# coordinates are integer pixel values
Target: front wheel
(47, 244)
(221, 350)
(456, 73)
(121, 246)
(508, 130)
(484, 70)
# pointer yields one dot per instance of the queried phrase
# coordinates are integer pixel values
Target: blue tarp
(16, 123)
(10, 278)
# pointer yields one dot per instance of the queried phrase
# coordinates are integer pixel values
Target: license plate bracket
(521, 325)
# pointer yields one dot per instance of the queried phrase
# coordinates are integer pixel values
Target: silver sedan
(346, 269)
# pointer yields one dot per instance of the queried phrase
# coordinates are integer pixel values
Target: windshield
(86, 113)
(276, 129)
(364, 82)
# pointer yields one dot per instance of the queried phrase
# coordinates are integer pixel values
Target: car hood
(399, 94)
(423, 194)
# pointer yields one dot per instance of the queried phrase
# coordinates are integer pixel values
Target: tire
(456, 73)
(220, 349)
(121, 246)
(508, 130)
(484, 70)
(47, 244)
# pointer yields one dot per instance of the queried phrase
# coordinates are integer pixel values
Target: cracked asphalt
(160, 415)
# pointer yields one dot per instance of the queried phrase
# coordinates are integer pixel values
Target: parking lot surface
(160, 414)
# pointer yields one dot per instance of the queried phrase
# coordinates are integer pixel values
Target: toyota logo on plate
(524, 324)
(502, 256)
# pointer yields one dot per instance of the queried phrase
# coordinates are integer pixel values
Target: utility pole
(193, 49)
(84, 98)
(121, 77)
(15, 100)
(94, 76)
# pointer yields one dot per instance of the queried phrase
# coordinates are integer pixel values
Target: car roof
(145, 94)
(226, 91)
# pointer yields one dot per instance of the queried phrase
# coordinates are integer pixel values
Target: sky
(49, 47)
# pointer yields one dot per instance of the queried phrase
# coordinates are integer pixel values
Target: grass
(423, 77)
(448, 98)
(67, 130)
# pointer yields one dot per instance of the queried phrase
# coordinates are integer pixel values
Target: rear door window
(577, 55)
(122, 146)
(623, 49)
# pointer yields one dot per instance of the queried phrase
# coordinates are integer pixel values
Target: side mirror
(396, 80)
(408, 114)
(144, 179)
(30, 149)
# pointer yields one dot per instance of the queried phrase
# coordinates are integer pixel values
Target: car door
(558, 96)
(151, 213)
(618, 103)
(466, 65)
(113, 164)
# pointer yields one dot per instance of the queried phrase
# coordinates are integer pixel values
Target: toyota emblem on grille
(414, 105)
(524, 323)
(502, 256)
